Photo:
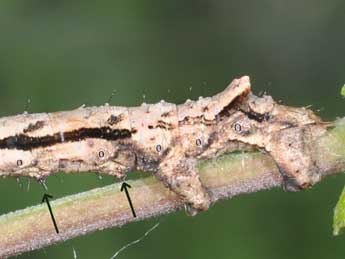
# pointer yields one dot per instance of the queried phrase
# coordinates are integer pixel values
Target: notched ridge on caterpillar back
(210, 107)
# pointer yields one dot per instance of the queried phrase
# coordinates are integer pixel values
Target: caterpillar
(163, 138)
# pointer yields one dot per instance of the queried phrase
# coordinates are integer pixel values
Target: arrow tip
(124, 185)
(46, 197)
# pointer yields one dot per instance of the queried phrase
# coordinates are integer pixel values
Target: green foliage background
(62, 54)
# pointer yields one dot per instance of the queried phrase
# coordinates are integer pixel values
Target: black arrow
(46, 199)
(124, 187)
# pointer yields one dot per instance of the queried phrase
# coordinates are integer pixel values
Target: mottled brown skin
(164, 138)
(245, 122)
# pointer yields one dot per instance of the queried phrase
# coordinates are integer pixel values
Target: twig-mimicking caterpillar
(164, 138)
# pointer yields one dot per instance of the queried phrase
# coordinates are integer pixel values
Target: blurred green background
(62, 54)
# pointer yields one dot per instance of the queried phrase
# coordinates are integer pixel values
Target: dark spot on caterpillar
(237, 127)
(161, 124)
(113, 120)
(164, 125)
(198, 142)
(24, 142)
(166, 114)
(158, 148)
(134, 130)
(205, 109)
(101, 154)
(19, 162)
(34, 126)
(257, 116)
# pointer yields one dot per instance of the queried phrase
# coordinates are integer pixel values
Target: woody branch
(106, 207)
